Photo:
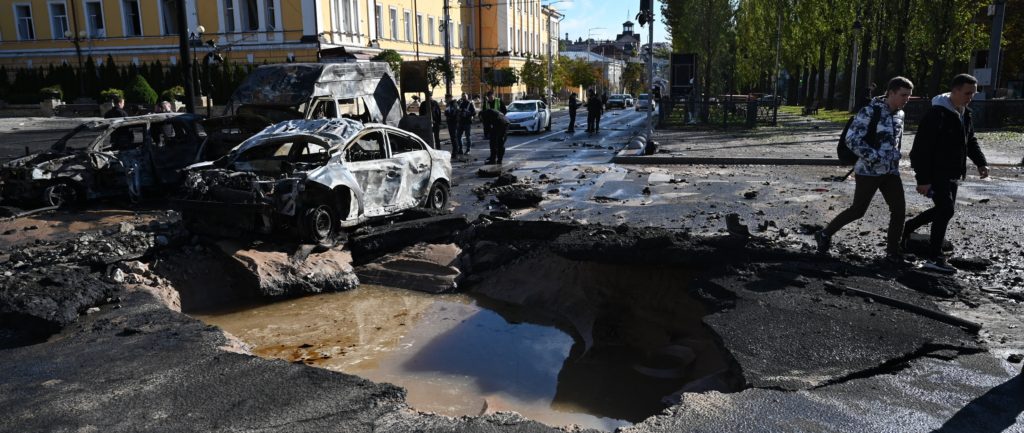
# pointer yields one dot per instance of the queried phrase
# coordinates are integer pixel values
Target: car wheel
(438, 197)
(60, 194)
(319, 225)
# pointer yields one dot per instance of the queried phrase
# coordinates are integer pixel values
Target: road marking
(627, 124)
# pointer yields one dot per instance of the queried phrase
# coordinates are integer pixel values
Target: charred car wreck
(275, 93)
(314, 178)
(106, 158)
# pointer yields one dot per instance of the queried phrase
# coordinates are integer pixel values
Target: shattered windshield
(78, 139)
(270, 157)
(522, 107)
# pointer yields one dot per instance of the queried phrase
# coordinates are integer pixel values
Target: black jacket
(942, 146)
(115, 112)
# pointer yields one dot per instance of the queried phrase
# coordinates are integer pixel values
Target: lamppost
(853, 77)
(195, 39)
(77, 40)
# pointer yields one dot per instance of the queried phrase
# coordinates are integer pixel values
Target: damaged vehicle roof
(315, 177)
(107, 157)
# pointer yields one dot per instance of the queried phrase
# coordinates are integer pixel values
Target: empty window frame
(394, 23)
(94, 22)
(23, 18)
(132, 17)
(169, 15)
(58, 19)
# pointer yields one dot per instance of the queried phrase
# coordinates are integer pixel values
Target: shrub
(139, 91)
(176, 93)
(51, 92)
(109, 94)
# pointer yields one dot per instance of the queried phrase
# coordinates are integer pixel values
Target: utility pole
(447, 45)
(994, 50)
(778, 71)
(186, 60)
(856, 52)
(650, 75)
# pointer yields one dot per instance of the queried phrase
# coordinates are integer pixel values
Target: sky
(581, 16)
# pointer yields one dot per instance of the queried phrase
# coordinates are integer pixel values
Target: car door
(415, 161)
(379, 176)
(545, 116)
(118, 158)
(174, 146)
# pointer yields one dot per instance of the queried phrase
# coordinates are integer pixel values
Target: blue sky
(583, 15)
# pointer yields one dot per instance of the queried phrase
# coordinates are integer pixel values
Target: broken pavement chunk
(520, 198)
(423, 267)
(272, 272)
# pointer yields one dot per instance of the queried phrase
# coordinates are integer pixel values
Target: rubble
(424, 267)
(274, 270)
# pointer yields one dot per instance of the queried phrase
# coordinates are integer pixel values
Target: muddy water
(454, 355)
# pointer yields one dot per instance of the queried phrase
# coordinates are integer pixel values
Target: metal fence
(681, 113)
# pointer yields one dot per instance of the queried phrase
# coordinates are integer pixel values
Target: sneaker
(823, 240)
(939, 265)
(896, 259)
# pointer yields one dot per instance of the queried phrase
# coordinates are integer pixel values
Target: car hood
(521, 115)
(38, 159)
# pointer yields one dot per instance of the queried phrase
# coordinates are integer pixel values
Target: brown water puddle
(453, 355)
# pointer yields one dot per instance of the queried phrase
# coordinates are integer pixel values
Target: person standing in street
(117, 110)
(875, 136)
(945, 139)
(604, 105)
(499, 133)
(574, 104)
(594, 107)
(491, 103)
(451, 117)
(432, 109)
(466, 113)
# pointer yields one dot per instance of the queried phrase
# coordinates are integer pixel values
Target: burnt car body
(314, 178)
(106, 158)
(275, 93)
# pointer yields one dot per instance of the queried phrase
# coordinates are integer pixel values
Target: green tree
(633, 78)
(581, 73)
(704, 27)
(502, 77)
(534, 75)
(392, 58)
(438, 71)
(139, 90)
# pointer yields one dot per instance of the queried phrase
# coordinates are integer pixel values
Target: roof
(587, 55)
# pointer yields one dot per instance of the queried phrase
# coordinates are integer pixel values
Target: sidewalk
(798, 140)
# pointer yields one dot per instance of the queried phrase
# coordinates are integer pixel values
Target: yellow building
(485, 34)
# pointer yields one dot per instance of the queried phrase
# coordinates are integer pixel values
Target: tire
(318, 224)
(437, 198)
(60, 194)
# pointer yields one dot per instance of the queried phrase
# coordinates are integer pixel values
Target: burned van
(365, 92)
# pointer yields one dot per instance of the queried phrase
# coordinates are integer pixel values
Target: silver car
(315, 177)
(528, 115)
(644, 102)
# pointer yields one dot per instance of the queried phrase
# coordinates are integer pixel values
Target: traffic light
(646, 12)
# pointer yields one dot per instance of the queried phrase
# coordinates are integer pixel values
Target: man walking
(466, 113)
(574, 104)
(875, 136)
(451, 117)
(945, 139)
(499, 133)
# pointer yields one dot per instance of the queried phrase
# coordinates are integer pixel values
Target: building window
(250, 15)
(94, 19)
(378, 12)
(430, 27)
(394, 23)
(348, 11)
(271, 12)
(419, 28)
(229, 16)
(469, 37)
(58, 19)
(408, 25)
(23, 17)
(169, 12)
(132, 18)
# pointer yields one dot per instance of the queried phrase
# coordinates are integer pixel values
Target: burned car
(275, 93)
(314, 178)
(106, 158)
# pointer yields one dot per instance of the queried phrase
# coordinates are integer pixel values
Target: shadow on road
(993, 412)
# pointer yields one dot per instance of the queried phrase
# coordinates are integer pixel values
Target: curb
(628, 156)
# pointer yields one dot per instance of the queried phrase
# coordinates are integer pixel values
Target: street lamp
(195, 40)
(77, 40)
(853, 77)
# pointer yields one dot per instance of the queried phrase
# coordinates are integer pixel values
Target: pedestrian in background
(466, 113)
(945, 139)
(451, 117)
(117, 110)
(594, 107)
(499, 133)
(432, 109)
(574, 104)
(877, 167)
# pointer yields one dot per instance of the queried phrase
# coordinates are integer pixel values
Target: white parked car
(644, 102)
(315, 177)
(528, 115)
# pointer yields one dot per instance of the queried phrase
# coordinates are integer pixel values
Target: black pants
(453, 130)
(497, 145)
(572, 121)
(944, 197)
(590, 121)
(892, 191)
(597, 121)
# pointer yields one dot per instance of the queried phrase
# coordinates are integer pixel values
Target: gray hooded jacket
(889, 135)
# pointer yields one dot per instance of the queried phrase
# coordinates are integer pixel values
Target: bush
(176, 93)
(51, 92)
(109, 94)
(139, 91)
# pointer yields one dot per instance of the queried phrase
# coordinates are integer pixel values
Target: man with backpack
(945, 139)
(875, 137)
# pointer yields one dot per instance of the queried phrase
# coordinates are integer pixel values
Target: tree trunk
(862, 69)
(902, 24)
(830, 101)
(819, 91)
(793, 85)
